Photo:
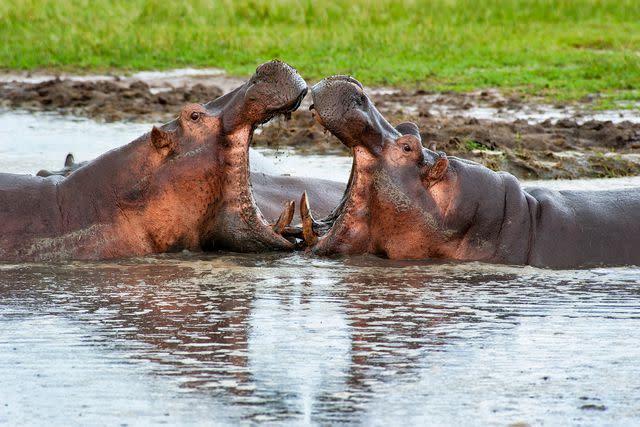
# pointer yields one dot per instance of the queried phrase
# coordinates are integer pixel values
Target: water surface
(219, 339)
(225, 338)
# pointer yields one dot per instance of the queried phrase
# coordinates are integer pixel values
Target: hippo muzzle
(275, 88)
(343, 108)
(278, 87)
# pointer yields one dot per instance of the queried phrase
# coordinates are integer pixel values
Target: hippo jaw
(390, 171)
(341, 106)
(275, 88)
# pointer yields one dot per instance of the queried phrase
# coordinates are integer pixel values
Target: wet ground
(219, 339)
(530, 138)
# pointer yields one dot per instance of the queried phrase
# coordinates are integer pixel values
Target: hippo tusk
(308, 233)
(285, 217)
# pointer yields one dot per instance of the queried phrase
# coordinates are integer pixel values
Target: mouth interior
(356, 187)
(281, 229)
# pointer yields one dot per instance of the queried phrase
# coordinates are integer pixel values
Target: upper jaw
(332, 104)
(286, 107)
(337, 109)
(275, 88)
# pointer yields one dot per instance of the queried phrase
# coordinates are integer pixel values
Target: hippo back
(28, 206)
(586, 228)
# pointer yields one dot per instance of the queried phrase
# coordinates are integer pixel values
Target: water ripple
(305, 340)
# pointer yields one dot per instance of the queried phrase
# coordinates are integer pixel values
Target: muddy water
(226, 338)
(284, 338)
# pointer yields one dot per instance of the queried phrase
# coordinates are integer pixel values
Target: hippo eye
(195, 116)
(406, 148)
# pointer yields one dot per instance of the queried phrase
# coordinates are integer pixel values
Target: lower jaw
(345, 230)
(239, 225)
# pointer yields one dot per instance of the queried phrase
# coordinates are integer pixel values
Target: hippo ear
(68, 161)
(409, 128)
(162, 141)
(439, 169)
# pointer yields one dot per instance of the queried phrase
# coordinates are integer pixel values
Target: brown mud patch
(568, 146)
(105, 100)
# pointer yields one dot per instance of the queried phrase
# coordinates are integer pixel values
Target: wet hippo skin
(184, 185)
(406, 201)
(271, 189)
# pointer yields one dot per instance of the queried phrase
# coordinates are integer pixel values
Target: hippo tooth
(285, 217)
(310, 236)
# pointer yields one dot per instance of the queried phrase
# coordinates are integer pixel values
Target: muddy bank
(530, 140)
(105, 100)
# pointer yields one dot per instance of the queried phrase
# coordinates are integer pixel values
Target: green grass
(560, 49)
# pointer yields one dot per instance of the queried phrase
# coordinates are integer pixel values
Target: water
(218, 339)
(227, 338)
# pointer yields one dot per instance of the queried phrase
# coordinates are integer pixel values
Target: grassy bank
(563, 49)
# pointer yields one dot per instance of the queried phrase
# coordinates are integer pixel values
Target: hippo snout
(335, 97)
(279, 85)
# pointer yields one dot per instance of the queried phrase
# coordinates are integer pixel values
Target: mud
(105, 100)
(521, 136)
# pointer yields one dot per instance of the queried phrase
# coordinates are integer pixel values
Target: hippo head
(185, 185)
(234, 221)
(398, 191)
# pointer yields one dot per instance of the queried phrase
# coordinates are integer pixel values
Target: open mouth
(286, 110)
(332, 97)
(239, 225)
(278, 235)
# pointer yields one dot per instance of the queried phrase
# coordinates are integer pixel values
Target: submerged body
(405, 201)
(184, 185)
(473, 213)
(585, 228)
(273, 191)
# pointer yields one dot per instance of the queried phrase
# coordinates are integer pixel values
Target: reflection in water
(290, 338)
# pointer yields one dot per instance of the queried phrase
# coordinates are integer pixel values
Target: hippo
(70, 165)
(183, 185)
(407, 201)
